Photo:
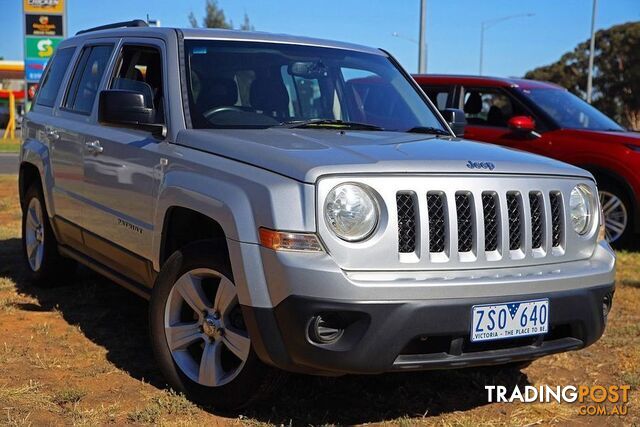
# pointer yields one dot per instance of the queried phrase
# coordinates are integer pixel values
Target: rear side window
(86, 78)
(53, 78)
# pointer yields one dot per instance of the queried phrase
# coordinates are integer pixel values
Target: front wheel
(617, 211)
(198, 332)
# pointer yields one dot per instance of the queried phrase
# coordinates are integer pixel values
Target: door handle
(94, 147)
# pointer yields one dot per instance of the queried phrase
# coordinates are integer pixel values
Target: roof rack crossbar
(124, 24)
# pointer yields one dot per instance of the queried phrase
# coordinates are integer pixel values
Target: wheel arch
(183, 225)
(28, 174)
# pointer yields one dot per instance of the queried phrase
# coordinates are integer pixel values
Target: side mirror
(522, 124)
(455, 119)
(128, 108)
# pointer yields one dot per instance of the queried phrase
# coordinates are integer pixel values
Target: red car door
(488, 111)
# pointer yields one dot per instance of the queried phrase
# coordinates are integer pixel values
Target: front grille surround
(380, 252)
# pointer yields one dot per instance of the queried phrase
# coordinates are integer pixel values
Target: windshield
(569, 111)
(252, 85)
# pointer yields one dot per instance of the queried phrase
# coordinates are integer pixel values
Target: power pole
(592, 50)
(422, 40)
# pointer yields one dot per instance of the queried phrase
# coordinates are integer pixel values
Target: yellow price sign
(43, 6)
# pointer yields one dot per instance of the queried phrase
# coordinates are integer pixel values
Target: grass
(68, 396)
(78, 354)
(9, 145)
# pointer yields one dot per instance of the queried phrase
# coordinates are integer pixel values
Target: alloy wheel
(204, 328)
(615, 215)
(34, 234)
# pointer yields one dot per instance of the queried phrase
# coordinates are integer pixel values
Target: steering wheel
(217, 110)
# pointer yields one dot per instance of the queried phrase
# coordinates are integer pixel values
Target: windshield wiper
(330, 123)
(429, 130)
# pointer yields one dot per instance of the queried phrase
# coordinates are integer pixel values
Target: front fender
(240, 203)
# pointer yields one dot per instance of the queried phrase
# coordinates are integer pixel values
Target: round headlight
(581, 206)
(351, 212)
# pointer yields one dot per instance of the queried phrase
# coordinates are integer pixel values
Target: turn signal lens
(286, 241)
(602, 230)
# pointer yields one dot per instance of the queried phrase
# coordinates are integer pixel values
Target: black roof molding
(124, 24)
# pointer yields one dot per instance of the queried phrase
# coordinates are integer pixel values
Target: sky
(511, 47)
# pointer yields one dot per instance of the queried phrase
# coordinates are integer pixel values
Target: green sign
(41, 47)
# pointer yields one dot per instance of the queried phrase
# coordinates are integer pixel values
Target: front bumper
(420, 323)
(416, 335)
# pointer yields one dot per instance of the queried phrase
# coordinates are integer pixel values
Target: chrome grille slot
(406, 222)
(491, 224)
(465, 221)
(555, 200)
(437, 221)
(514, 213)
(537, 219)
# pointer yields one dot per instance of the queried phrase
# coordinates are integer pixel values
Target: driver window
(140, 69)
(489, 107)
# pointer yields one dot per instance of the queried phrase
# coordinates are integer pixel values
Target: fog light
(325, 328)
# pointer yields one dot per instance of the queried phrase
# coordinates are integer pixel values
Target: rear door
(65, 153)
(122, 165)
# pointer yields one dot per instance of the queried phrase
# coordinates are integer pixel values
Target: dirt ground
(78, 354)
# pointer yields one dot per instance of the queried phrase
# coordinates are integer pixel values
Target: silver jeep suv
(293, 204)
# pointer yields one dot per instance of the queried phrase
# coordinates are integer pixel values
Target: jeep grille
(436, 222)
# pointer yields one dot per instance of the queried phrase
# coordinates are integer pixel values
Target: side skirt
(103, 270)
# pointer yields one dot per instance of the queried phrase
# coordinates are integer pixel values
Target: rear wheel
(617, 211)
(44, 264)
(198, 332)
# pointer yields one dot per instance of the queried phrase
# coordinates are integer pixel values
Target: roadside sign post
(10, 131)
(45, 27)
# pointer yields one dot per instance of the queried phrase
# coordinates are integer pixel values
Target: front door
(122, 166)
(488, 110)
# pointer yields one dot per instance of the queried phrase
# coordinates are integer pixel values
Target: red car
(547, 119)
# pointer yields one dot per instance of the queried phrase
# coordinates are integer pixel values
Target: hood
(628, 137)
(307, 154)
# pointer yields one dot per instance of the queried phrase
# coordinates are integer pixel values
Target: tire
(618, 213)
(195, 290)
(43, 263)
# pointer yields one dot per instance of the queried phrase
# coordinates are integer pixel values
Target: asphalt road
(8, 163)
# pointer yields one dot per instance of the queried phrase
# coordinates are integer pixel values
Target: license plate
(510, 320)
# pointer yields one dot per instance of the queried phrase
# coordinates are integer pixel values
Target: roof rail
(124, 24)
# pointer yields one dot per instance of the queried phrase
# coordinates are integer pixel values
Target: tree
(215, 18)
(246, 24)
(616, 81)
